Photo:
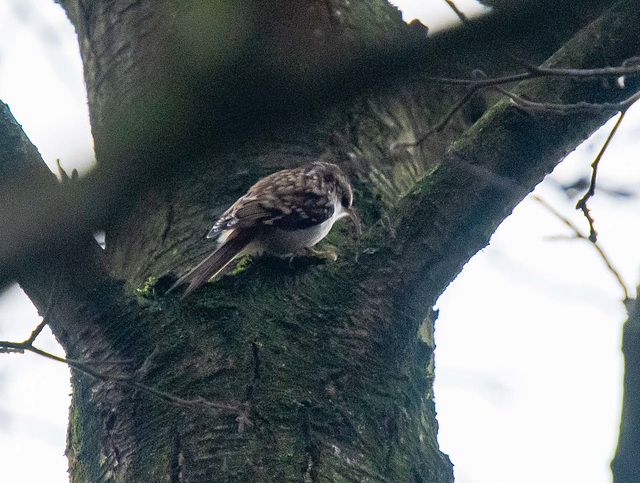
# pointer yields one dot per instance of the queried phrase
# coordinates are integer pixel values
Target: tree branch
(534, 72)
(625, 465)
(563, 108)
(475, 86)
(100, 194)
(452, 212)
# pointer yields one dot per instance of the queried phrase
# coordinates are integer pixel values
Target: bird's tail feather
(213, 264)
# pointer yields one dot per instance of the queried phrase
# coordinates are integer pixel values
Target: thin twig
(566, 108)
(579, 235)
(582, 203)
(481, 81)
(631, 70)
(515, 187)
(50, 303)
(621, 106)
(463, 18)
(534, 72)
(443, 122)
(126, 381)
(36, 332)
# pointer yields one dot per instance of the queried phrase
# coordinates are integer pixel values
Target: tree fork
(326, 359)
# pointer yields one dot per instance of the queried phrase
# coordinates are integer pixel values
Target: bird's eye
(329, 178)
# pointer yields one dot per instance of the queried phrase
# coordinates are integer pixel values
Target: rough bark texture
(330, 362)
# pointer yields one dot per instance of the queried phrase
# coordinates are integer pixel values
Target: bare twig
(566, 108)
(514, 186)
(621, 106)
(580, 236)
(457, 11)
(443, 122)
(465, 21)
(481, 81)
(534, 72)
(582, 203)
(85, 368)
(38, 330)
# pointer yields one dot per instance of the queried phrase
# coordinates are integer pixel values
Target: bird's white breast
(285, 242)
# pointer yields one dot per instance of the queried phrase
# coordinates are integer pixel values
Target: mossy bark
(325, 369)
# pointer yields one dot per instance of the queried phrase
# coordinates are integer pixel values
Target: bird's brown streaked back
(282, 213)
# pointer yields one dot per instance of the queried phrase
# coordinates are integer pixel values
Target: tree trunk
(284, 371)
(626, 463)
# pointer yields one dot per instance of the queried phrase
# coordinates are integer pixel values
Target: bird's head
(338, 183)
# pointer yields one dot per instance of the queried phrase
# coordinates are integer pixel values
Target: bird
(283, 214)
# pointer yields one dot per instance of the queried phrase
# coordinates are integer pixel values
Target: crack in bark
(168, 223)
(255, 353)
(310, 451)
(177, 459)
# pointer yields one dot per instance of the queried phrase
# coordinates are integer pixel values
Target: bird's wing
(283, 200)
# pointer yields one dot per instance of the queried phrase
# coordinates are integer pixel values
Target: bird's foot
(329, 254)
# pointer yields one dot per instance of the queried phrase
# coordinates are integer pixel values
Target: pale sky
(436, 14)
(528, 367)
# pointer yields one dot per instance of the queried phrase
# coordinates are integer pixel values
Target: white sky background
(529, 371)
